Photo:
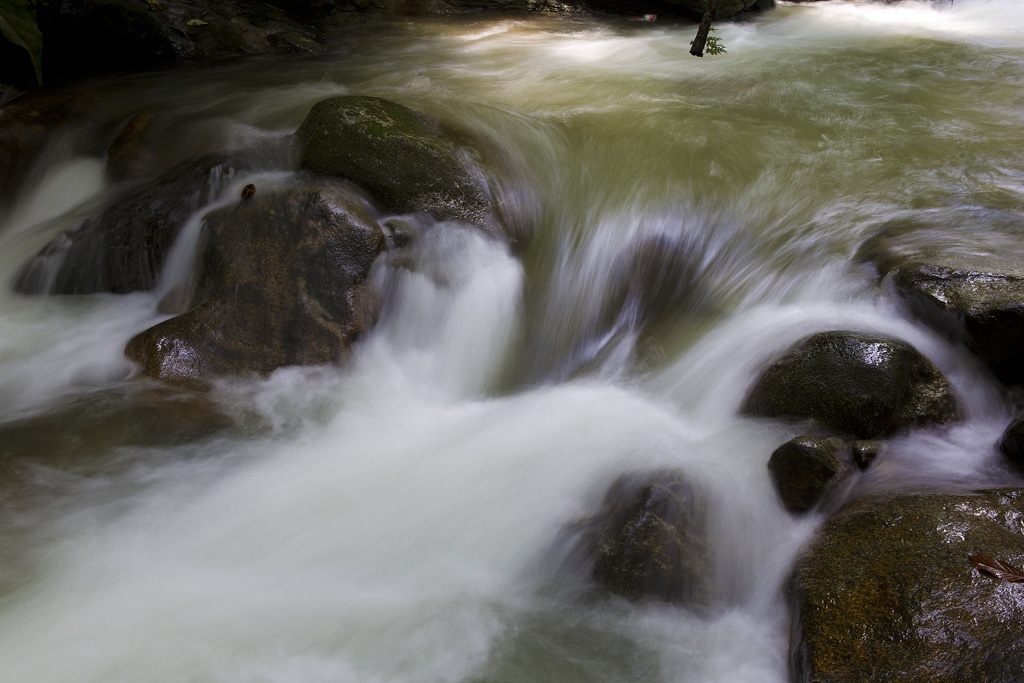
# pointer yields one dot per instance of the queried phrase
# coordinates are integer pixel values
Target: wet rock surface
(397, 155)
(805, 469)
(124, 248)
(1011, 444)
(855, 384)
(887, 592)
(88, 37)
(280, 283)
(980, 304)
(649, 540)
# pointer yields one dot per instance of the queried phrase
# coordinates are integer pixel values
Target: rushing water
(397, 519)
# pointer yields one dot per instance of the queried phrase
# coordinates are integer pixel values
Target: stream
(397, 519)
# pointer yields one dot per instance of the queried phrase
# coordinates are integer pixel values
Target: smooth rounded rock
(858, 385)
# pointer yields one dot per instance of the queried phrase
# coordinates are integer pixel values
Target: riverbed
(398, 518)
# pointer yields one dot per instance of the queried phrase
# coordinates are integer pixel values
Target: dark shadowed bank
(91, 37)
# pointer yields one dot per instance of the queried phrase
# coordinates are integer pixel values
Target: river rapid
(398, 519)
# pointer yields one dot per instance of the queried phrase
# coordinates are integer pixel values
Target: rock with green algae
(281, 282)
(858, 385)
(400, 157)
(649, 540)
(887, 592)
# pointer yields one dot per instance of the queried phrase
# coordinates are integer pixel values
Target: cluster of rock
(281, 277)
(887, 590)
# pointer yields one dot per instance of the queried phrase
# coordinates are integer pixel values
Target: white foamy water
(401, 518)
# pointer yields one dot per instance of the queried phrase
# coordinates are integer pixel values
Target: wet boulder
(805, 469)
(978, 302)
(1011, 444)
(124, 248)
(649, 540)
(887, 592)
(280, 283)
(397, 155)
(854, 384)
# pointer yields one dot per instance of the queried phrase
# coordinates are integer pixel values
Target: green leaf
(196, 22)
(18, 25)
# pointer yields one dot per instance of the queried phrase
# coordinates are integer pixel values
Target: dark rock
(1012, 442)
(280, 283)
(977, 302)
(130, 156)
(248, 191)
(865, 452)
(124, 248)
(98, 422)
(649, 540)
(804, 469)
(887, 593)
(88, 37)
(858, 385)
(397, 155)
(26, 125)
(693, 9)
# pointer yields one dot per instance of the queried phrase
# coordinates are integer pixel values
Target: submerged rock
(659, 279)
(280, 283)
(649, 539)
(805, 469)
(124, 248)
(858, 385)
(887, 593)
(397, 155)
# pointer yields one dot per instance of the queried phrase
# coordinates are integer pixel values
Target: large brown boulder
(280, 283)
(858, 385)
(124, 248)
(400, 157)
(649, 540)
(887, 593)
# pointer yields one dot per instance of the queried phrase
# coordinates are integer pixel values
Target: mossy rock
(281, 282)
(887, 593)
(857, 385)
(397, 155)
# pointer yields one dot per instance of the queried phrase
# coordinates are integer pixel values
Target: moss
(395, 154)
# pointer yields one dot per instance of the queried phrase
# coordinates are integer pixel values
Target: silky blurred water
(396, 519)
